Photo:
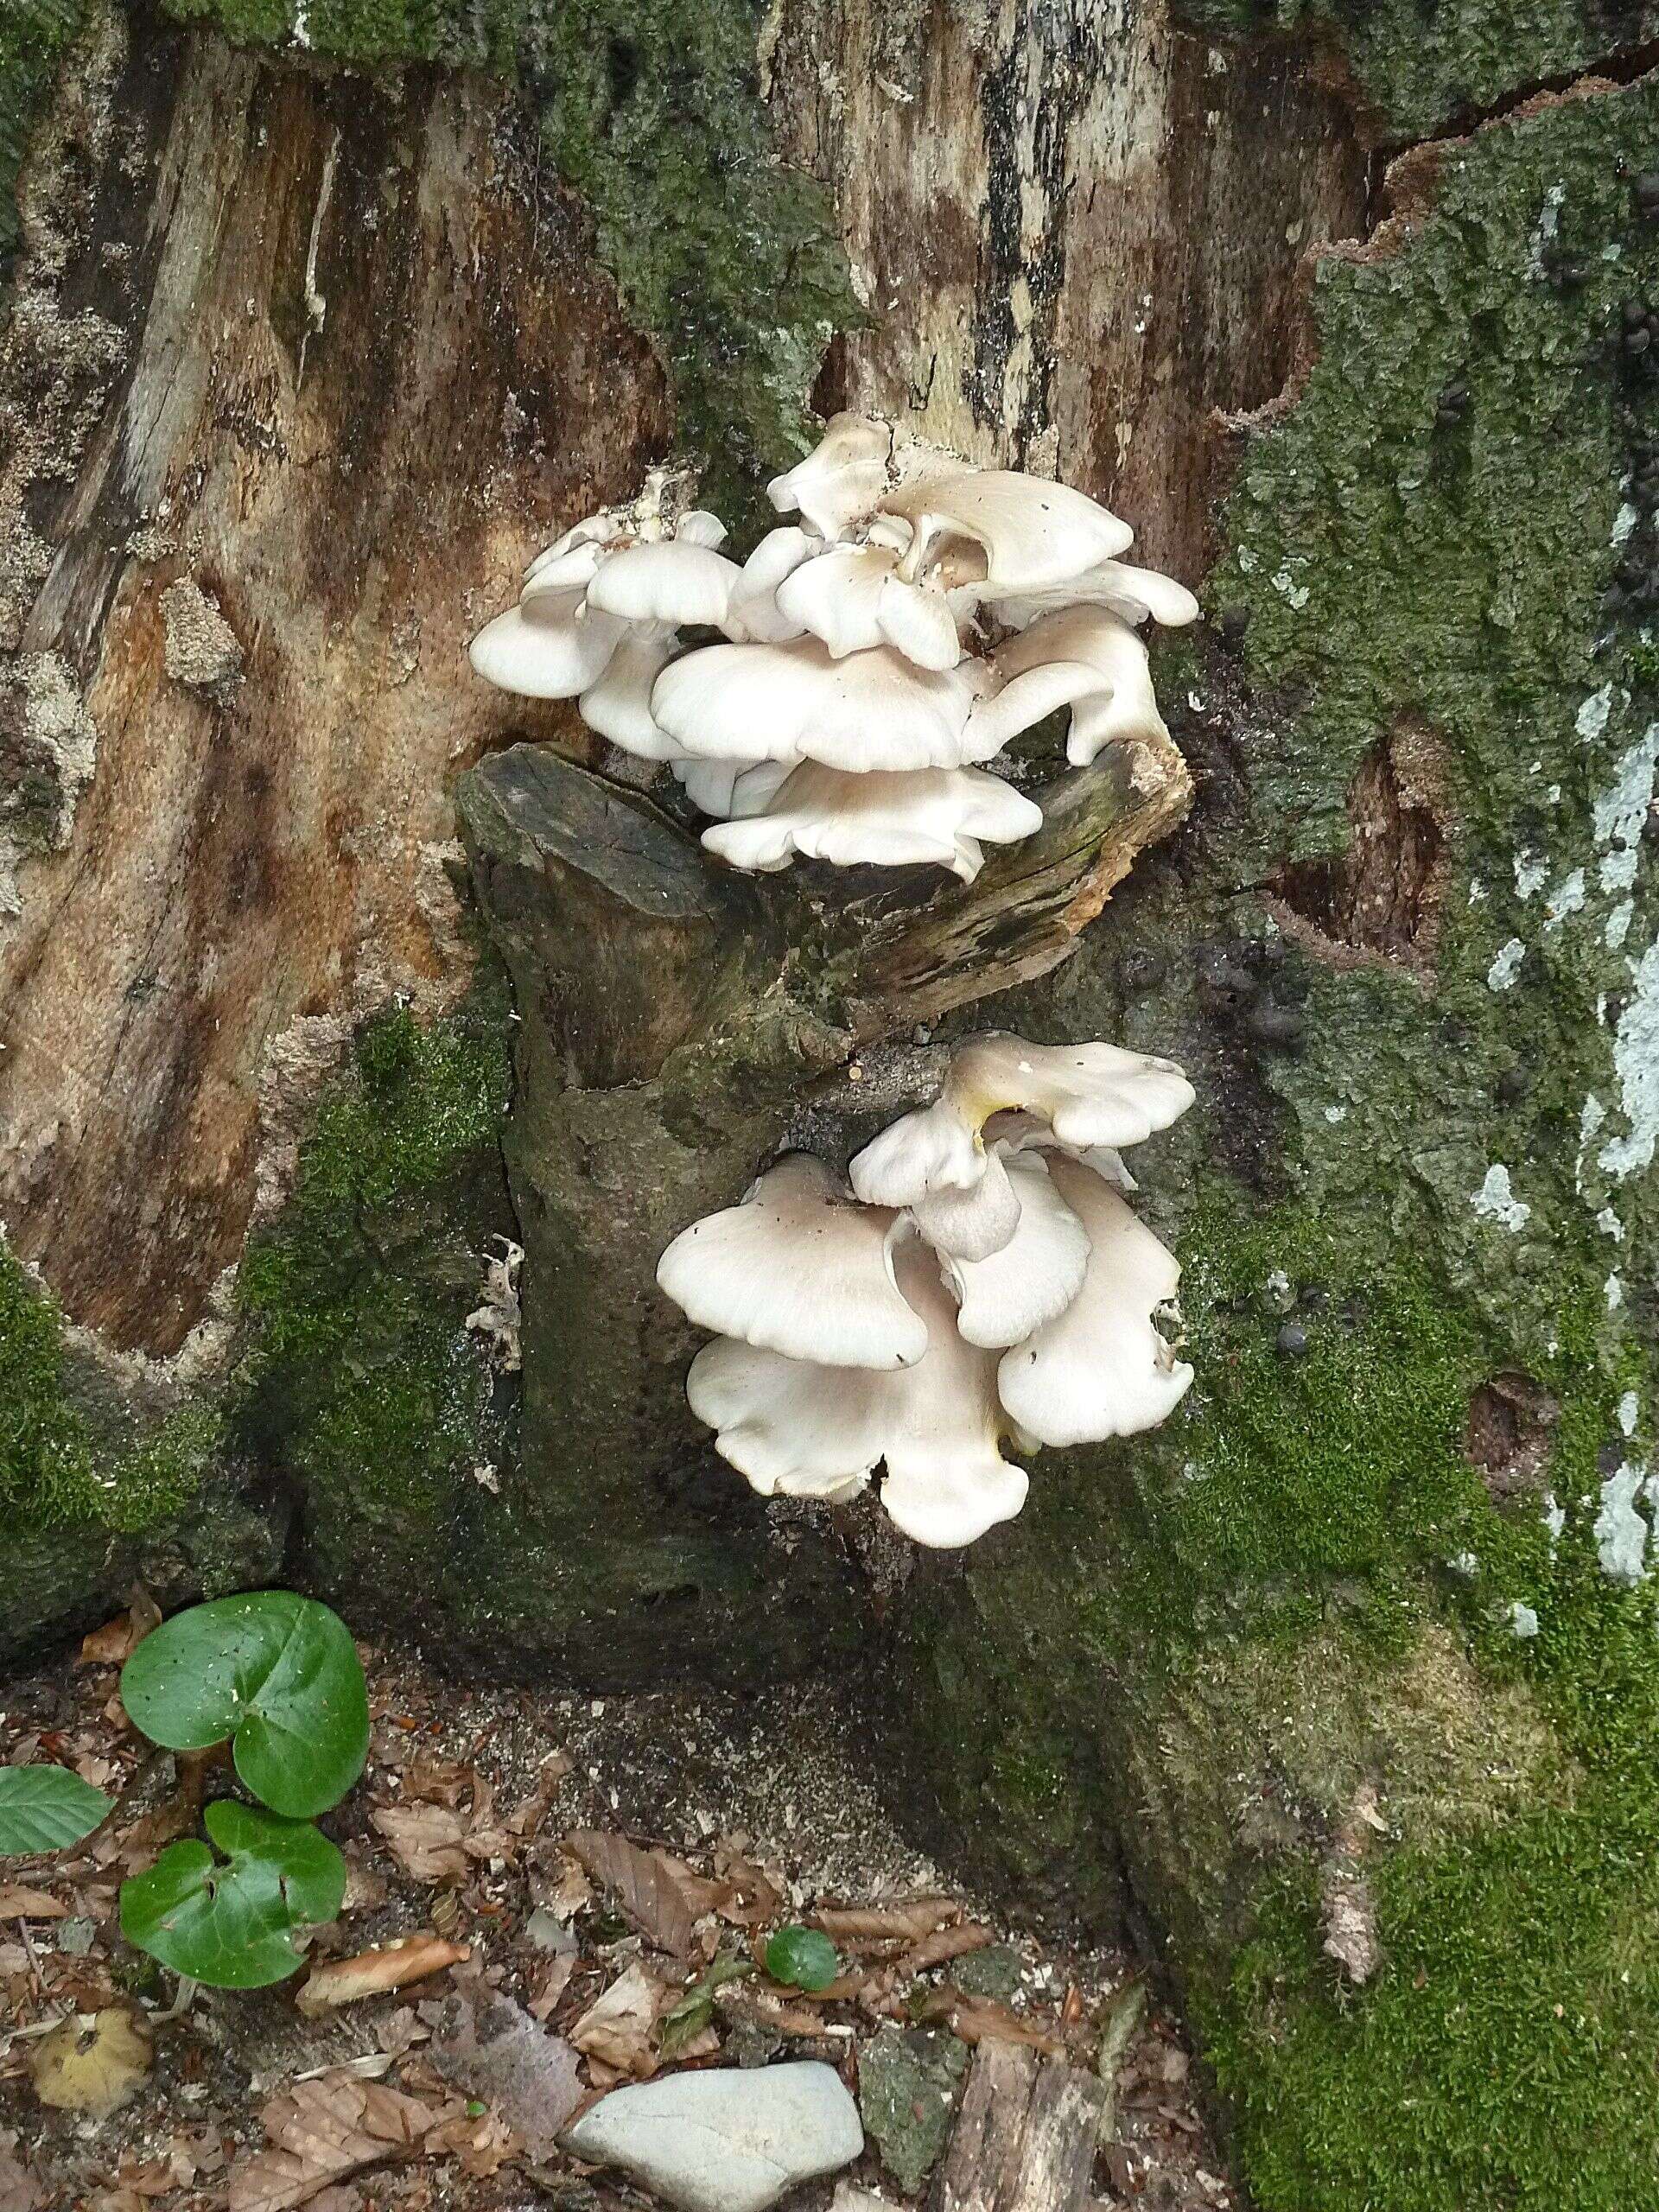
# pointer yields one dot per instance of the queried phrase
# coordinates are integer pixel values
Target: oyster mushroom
(865, 710)
(884, 819)
(1003, 533)
(797, 1268)
(1115, 701)
(1088, 1095)
(1035, 1276)
(808, 1430)
(1100, 1368)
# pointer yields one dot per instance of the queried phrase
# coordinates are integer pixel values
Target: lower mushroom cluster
(982, 1282)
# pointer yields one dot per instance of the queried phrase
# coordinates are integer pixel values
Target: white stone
(727, 2140)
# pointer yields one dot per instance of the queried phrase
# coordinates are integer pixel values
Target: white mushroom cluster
(874, 652)
(979, 1280)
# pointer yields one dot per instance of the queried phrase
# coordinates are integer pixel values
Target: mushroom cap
(788, 1426)
(1017, 1132)
(947, 1481)
(974, 1224)
(794, 701)
(1007, 533)
(1117, 704)
(1035, 1276)
(797, 1268)
(920, 1156)
(1086, 1094)
(1009, 704)
(810, 1431)
(591, 531)
(1099, 1368)
(1089, 1095)
(842, 479)
(547, 647)
(885, 819)
(752, 616)
(731, 789)
(672, 581)
(617, 704)
(850, 598)
(1132, 594)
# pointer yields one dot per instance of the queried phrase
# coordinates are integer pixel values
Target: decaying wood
(346, 362)
(1079, 229)
(1026, 2136)
(1025, 912)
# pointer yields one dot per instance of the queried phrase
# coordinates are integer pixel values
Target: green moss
(361, 1382)
(55, 1469)
(651, 109)
(1406, 562)
(1425, 65)
(1301, 1586)
(32, 36)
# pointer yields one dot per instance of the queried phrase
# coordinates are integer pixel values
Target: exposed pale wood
(1025, 911)
(1024, 2138)
(982, 2159)
(347, 367)
(1078, 228)
(1062, 2130)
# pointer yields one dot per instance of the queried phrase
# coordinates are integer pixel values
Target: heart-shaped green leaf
(233, 1924)
(46, 1808)
(277, 1674)
(803, 1958)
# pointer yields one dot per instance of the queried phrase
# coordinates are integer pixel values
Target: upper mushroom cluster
(912, 620)
(978, 1280)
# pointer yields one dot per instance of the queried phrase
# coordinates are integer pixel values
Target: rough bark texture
(1393, 1552)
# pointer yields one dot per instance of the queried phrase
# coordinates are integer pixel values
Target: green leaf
(802, 1957)
(46, 1808)
(233, 1924)
(276, 1673)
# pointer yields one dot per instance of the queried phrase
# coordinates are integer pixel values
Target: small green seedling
(278, 1676)
(46, 1808)
(801, 1958)
(277, 1673)
(234, 1923)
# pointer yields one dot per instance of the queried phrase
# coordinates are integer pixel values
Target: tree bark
(324, 969)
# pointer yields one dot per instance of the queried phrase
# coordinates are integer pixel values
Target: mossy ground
(651, 110)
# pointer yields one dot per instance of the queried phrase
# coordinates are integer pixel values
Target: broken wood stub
(673, 1018)
(1026, 2136)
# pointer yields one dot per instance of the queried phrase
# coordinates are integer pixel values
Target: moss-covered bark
(1376, 1559)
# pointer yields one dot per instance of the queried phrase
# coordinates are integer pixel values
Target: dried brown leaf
(526, 1819)
(644, 1884)
(19, 1901)
(551, 1984)
(617, 2028)
(855, 1926)
(321, 2132)
(114, 1644)
(372, 1973)
(426, 1839)
(978, 2019)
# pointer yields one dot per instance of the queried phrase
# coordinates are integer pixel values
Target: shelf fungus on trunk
(979, 1282)
(836, 696)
